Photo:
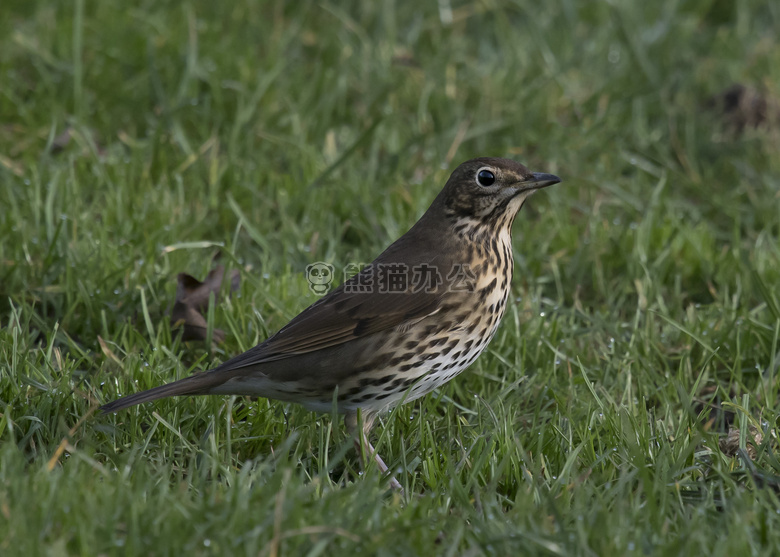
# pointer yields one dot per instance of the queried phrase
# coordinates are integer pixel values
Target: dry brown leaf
(729, 445)
(192, 301)
(109, 353)
(61, 141)
(743, 107)
(82, 136)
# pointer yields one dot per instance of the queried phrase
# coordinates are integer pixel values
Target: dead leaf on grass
(729, 445)
(743, 106)
(192, 301)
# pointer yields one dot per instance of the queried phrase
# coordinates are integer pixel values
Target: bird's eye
(485, 178)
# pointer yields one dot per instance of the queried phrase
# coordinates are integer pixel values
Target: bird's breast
(420, 356)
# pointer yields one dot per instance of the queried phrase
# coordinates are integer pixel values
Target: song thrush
(410, 321)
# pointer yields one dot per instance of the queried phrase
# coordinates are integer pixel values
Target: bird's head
(491, 189)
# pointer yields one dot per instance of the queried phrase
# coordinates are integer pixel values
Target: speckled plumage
(398, 340)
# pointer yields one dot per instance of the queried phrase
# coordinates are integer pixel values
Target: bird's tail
(197, 384)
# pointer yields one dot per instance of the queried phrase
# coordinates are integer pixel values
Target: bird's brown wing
(341, 316)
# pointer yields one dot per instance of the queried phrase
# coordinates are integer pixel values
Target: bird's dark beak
(539, 180)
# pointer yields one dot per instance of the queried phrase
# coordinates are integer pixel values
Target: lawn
(629, 402)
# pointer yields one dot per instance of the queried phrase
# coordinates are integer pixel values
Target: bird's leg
(362, 443)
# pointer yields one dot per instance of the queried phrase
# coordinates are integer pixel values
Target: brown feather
(197, 384)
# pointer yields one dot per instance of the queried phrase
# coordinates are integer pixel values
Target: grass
(645, 319)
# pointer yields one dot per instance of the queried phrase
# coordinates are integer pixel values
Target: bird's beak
(537, 181)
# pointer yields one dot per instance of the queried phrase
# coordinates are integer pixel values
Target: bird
(407, 323)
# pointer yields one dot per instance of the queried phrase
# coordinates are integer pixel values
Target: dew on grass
(207, 542)
(630, 546)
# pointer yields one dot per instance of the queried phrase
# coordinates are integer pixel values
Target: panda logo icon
(320, 276)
